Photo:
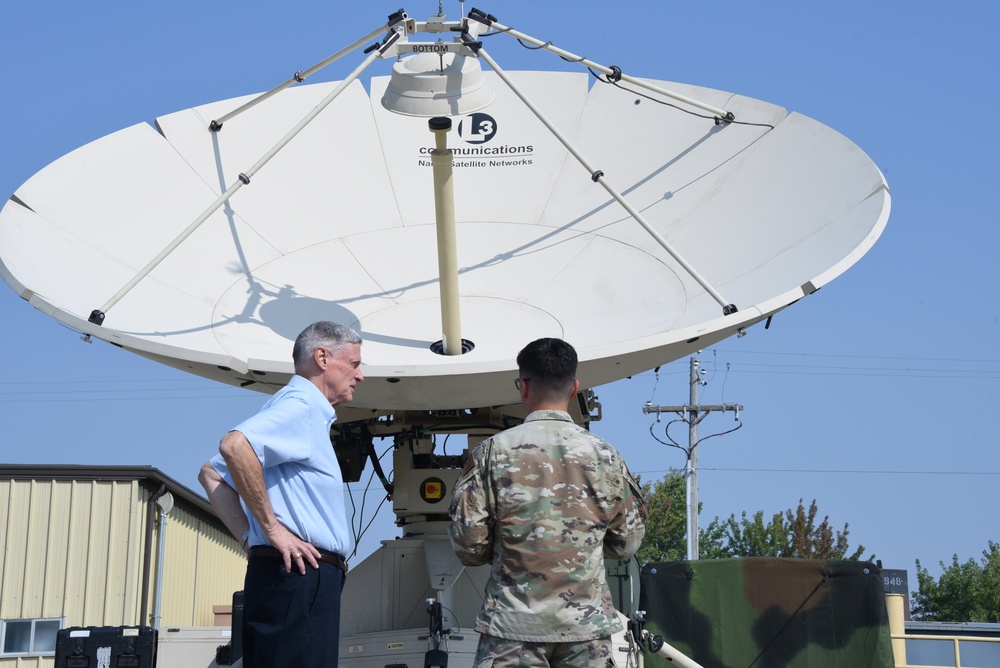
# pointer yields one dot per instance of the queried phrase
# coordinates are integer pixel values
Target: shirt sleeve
(279, 433)
(471, 526)
(218, 463)
(627, 529)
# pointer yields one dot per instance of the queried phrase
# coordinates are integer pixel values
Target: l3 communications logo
(477, 128)
(479, 131)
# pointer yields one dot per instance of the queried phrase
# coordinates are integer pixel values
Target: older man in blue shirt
(276, 483)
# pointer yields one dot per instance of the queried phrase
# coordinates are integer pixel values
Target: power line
(863, 368)
(882, 371)
(21, 388)
(835, 471)
(873, 357)
(49, 393)
(96, 382)
(887, 373)
(49, 400)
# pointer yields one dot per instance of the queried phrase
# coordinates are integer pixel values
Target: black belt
(269, 552)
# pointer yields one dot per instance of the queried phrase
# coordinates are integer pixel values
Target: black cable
(675, 444)
(377, 468)
(614, 82)
(716, 119)
(721, 433)
(533, 48)
(354, 514)
(520, 41)
(360, 532)
(826, 578)
(368, 526)
(458, 627)
(666, 432)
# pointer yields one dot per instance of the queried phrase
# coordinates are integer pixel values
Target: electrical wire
(356, 522)
(715, 119)
(666, 432)
(721, 433)
(719, 469)
(823, 580)
(687, 450)
(14, 390)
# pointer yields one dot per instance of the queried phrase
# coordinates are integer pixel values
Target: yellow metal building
(86, 546)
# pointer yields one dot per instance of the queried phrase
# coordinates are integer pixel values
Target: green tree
(752, 537)
(666, 526)
(793, 533)
(965, 592)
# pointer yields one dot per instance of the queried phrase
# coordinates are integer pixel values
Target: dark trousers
(291, 620)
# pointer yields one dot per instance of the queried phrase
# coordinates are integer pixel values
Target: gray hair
(323, 334)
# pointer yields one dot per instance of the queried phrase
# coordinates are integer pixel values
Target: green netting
(768, 613)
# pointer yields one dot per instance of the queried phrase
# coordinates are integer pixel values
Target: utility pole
(693, 413)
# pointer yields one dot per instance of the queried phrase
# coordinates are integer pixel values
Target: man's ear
(524, 390)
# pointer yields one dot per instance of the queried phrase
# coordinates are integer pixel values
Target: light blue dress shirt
(291, 436)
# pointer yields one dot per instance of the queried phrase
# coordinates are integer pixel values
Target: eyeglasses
(517, 383)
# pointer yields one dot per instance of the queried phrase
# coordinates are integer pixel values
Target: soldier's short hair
(322, 334)
(549, 363)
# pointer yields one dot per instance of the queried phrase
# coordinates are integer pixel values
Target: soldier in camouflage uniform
(546, 503)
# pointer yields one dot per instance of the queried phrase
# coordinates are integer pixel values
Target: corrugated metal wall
(71, 549)
(74, 549)
(204, 567)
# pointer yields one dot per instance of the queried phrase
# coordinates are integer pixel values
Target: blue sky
(877, 396)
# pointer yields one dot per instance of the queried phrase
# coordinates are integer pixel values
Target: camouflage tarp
(768, 612)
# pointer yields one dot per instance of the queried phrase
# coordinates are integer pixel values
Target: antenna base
(438, 347)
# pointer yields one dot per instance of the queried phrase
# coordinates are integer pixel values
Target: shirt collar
(316, 397)
(548, 415)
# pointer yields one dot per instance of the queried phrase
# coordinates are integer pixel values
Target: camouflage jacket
(545, 503)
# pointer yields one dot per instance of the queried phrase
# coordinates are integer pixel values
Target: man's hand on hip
(295, 551)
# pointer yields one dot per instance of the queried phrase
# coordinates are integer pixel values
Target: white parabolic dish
(341, 226)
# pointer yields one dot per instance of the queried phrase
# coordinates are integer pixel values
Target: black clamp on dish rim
(482, 17)
(725, 120)
(388, 41)
(468, 41)
(397, 16)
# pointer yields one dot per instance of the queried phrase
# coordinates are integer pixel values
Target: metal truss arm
(613, 73)
(598, 177)
(301, 75)
(97, 316)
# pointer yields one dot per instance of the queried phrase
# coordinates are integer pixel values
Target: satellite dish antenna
(625, 239)
(165, 502)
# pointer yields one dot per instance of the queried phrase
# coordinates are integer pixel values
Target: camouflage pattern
(545, 503)
(502, 653)
(768, 612)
